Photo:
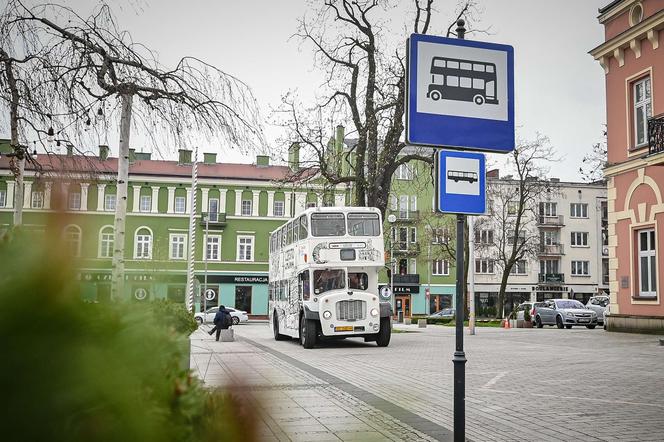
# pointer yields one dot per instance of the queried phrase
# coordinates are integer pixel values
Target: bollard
(407, 321)
(227, 335)
(422, 323)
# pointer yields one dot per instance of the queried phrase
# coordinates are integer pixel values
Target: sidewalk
(294, 405)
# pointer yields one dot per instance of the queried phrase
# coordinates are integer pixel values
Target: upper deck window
(328, 224)
(363, 224)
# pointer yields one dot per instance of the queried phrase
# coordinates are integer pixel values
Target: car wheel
(435, 95)
(235, 320)
(479, 100)
(385, 333)
(199, 320)
(568, 327)
(559, 322)
(538, 322)
(275, 328)
(307, 332)
(592, 326)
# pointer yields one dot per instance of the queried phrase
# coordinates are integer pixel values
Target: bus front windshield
(328, 224)
(328, 279)
(363, 224)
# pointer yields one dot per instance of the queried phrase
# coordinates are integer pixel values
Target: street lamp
(391, 219)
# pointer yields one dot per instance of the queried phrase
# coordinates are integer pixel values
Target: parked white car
(598, 304)
(207, 317)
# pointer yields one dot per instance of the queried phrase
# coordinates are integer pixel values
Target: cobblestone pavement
(521, 384)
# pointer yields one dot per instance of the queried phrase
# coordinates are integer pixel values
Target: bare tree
(100, 65)
(513, 204)
(595, 161)
(365, 84)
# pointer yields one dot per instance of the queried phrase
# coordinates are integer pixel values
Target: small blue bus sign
(461, 182)
(460, 94)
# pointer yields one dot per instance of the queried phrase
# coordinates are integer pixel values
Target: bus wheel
(385, 333)
(478, 99)
(275, 327)
(307, 332)
(435, 95)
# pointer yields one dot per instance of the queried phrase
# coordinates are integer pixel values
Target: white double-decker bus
(324, 268)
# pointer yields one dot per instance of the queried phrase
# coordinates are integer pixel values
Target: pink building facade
(632, 56)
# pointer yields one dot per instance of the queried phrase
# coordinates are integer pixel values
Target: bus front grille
(350, 310)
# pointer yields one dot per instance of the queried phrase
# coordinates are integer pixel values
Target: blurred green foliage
(74, 371)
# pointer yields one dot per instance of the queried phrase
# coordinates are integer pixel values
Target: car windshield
(569, 304)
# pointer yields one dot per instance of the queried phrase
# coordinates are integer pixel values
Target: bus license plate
(345, 328)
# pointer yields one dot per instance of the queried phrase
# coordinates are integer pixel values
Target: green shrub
(75, 371)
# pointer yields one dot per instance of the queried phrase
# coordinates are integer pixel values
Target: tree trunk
(19, 161)
(118, 278)
(500, 308)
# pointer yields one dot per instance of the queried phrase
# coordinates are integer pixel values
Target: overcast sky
(559, 87)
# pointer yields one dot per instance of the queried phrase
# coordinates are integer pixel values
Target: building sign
(234, 279)
(403, 289)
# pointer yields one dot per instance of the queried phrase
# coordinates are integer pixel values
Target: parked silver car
(531, 307)
(446, 313)
(565, 313)
(598, 305)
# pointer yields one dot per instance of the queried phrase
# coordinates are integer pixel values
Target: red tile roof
(90, 164)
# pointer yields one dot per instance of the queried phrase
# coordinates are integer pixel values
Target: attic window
(636, 14)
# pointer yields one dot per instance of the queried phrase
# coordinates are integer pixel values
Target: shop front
(242, 292)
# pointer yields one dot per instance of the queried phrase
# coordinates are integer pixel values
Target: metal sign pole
(207, 232)
(459, 359)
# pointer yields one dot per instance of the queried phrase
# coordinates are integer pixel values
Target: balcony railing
(552, 278)
(551, 221)
(214, 220)
(412, 278)
(656, 134)
(551, 249)
(405, 248)
(405, 215)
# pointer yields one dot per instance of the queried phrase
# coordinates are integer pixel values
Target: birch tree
(101, 65)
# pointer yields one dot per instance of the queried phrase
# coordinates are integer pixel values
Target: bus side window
(296, 230)
(303, 227)
(283, 236)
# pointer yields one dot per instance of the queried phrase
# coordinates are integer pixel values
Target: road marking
(607, 401)
(401, 414)
(495, 379)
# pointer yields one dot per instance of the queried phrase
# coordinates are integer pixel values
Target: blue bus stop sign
(461, 182)
(460, 94)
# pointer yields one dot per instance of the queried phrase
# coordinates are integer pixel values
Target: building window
(519, 268)
(549, 238)
(548, 209)
(245, 248)
(484, 266)
(143, 241)
(310, 204)
(145, 203)
(106, 241)
(512, 208)
(484, 236)
(578, 210)
(246, 207)
(579, 239)
(440, 235)
(180, 204)
(404, 172)
(647, 263)
(580, 268)
(213, 247)
(412, 268)
(72, 238)
(109, 202)
(37, 200)
(178, 246)
(440, 267)
(279, 208)
(642, 110)
(549, 266)
(74, 201)
(3, 198)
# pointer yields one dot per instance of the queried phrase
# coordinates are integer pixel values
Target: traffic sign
(140, 293)
(460, 182)
(210, 294)
(460, 94)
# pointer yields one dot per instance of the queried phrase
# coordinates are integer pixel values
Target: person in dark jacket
(222, 321)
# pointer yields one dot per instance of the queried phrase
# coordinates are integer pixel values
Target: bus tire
(435, 95)
(385, 333)
(478, 99)
(307, 332)
(275, 328)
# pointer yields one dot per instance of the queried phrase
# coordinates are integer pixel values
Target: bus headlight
(374, 312)
(327, 314)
